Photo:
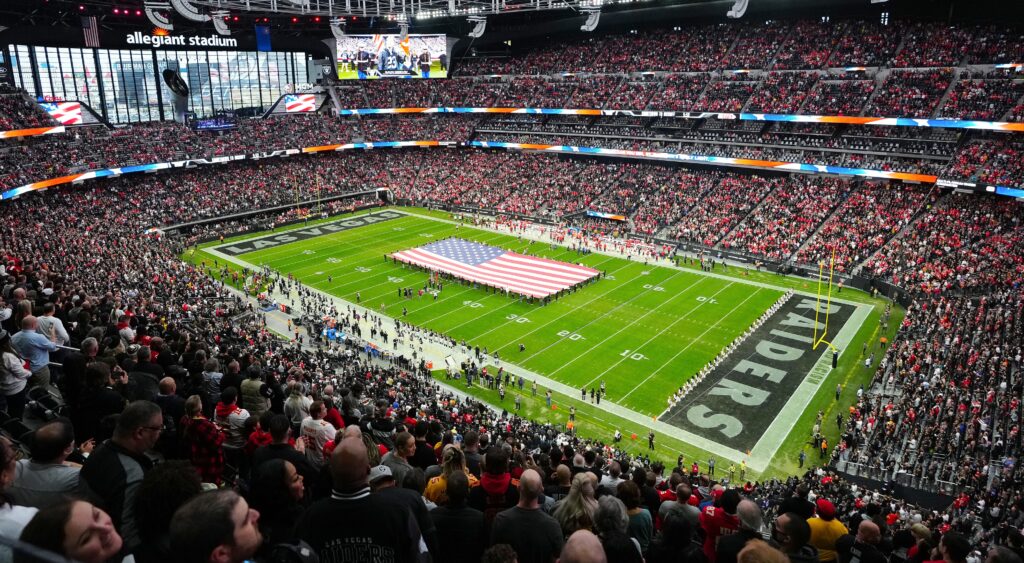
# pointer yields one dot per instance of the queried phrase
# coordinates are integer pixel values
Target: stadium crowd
(365, 457)
(205, 382)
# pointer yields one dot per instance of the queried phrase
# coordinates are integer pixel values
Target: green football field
(641, 329)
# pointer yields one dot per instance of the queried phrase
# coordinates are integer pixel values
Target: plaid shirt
(204, 439)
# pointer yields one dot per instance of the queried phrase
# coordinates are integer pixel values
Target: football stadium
(700, 281)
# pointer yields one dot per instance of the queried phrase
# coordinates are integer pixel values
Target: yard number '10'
(633, 356)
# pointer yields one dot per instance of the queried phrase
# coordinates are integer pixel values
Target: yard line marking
(629, 324)
(606, 313)
(350, 263)
(323, 241)
(574, 310)
(709, 329)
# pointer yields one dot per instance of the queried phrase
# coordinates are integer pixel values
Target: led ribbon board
(833, 119)
(560, 149)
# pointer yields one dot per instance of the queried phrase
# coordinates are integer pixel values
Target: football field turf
(642, 329)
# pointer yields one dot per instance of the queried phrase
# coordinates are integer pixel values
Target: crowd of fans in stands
(18, 112)
(205, 382)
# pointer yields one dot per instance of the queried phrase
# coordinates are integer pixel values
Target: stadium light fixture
(739, 8)
(337, 28)
(593, 17)
(188, 11)
(481, 25)
(220, 18)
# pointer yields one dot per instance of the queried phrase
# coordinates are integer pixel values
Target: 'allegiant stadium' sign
(157, 41)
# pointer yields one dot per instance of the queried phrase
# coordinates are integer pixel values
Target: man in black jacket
(460, 529)
(112, 474)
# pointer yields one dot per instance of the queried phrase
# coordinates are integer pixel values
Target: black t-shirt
(535, 536)
(361, 527)
(850, 550)
(460, 534)
(414, 502)
(424, 456)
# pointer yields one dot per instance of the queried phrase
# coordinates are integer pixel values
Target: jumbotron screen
(369, 57)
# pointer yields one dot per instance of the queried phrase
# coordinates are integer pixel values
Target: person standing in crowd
(792, 535)
(825, 530)
(277, 491)
(202, 440)
(397, 460)
(750, 524)
(280, 448)
(255, 393)
(498, 491)
(460, 529)
(14, 377)
(13, 518)
(535, 536)
(576, 510)
(719, 519)
(35, 348)
(424, 456)
(452, 462)
(354, 525)
(641, 525)
(862, 548)
(316, 432)
(115, 469)
(296, 406)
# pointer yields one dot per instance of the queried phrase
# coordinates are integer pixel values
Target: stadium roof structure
(418, 9)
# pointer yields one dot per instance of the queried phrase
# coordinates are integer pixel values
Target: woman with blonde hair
(452, 460)
(576, 510)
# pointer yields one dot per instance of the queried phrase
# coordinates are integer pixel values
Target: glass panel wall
(124, 88)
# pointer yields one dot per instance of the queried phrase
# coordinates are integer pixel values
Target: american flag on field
(494, 267)
(90, 31)
(299, 102)
(66, 113)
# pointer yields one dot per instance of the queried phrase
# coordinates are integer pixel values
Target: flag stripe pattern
(494, 267)
(90, 31)
(299, 103)
(66, 113)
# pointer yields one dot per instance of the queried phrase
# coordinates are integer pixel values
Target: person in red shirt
(719, 519)
(332, 415)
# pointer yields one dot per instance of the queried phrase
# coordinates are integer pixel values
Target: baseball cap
(826, 510)
(379, 472)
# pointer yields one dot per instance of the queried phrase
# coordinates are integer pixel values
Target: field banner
(494, 267)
